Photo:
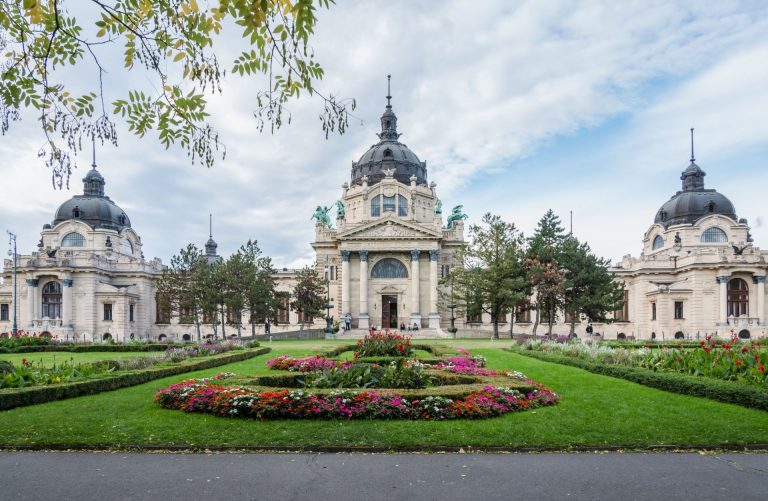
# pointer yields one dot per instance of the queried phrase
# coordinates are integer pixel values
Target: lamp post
(12, 252)
(452, 329)
(328, 305)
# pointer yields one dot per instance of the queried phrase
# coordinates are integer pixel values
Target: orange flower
(738, 362)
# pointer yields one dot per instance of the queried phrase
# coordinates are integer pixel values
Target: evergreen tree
(180, 284)
(259, 294)
(544, 271)
(308, 296)
(491, 276)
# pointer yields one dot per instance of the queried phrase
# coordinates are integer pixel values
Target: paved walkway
(347, 477)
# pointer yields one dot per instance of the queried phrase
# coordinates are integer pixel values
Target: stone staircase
(419, 334)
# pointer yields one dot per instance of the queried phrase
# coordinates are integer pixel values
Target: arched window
(711, 206)
(73, 240)
(127, 247)
(376, 206)
(738, 298)
(52, 300)
(387, 152)
(658, 242)
(714, 235)
(402, 206)
(76, 212)
(389, 268)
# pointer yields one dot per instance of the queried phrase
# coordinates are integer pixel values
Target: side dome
(93, 207)
(389, 154)
(694, 201)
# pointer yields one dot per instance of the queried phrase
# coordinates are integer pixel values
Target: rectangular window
(307, 318)
(445, 270)
(569, 317)
(5, 311)
(130, 312)
(523, 313)
(108, 311)
(402, 206)
(622, 314)
(653, 311)
(389, 204)
(376, 206)
(679, 310)
(283, 310)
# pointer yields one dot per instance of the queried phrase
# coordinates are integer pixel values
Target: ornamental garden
(383, 392)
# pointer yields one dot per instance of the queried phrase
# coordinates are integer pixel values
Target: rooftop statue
(438, 206)
(456, 216)
(340, 210)
(322, 217)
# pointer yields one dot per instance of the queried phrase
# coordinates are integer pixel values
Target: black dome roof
(93, 207)
(389, 154)
(694, 202)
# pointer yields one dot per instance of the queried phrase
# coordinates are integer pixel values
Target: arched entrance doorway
(744, 334)
(738, 298)
(679, 335)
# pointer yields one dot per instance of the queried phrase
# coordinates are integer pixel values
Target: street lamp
(328, 305)
(12, 252)
(452, 329)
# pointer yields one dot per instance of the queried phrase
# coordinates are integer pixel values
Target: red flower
(761, 368)
(738, 362)
(744, 350)
(23, 361)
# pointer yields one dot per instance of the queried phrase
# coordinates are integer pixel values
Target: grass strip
(17, 397)
(723, 391)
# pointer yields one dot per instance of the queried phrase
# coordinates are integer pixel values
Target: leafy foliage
(308, 295)
(173, 44)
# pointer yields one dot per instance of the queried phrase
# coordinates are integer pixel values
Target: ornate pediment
(389, 229)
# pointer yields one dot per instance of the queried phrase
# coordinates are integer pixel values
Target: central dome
(389, 154)
(93, 207)
(694, 202)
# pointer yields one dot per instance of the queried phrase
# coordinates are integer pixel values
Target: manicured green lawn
(595, 411)
(48, 358)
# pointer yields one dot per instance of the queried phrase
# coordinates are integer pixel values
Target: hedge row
(724, 391)
(352, 347)
(18, 397)
(96, 348)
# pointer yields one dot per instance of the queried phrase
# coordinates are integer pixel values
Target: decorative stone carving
(32, 282)
(415, 253)
(345, 256)
(363, 255)
(434, 254)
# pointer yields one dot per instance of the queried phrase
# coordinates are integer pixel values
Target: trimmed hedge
(724, 391)
(352, 347)
(97, 348)
(18, 397)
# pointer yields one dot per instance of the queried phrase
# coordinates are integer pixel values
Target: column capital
(67, 282)
(363, 255)
(415, 253)
(723, 279)
(33, 282)
(345, 256)
(433, 254)
(759, 279)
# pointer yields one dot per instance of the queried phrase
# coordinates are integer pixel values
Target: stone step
(419, 334)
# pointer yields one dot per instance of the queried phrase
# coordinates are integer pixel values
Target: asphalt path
(342, 477)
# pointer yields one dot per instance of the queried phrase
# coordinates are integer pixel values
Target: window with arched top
(52, 300)
(711, 206)
(714, 235)
(738, 298)
(402, 206)
(389, 268)
(73, 239)
(387, 152)
(376, 206)
(76, 212)
(658, 242)
(127, 247)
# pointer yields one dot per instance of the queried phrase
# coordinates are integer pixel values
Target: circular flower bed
(323, 388)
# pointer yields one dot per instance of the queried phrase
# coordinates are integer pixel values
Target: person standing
(266, 327)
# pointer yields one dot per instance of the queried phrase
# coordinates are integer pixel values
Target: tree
(545, 275)
(172, 43)
(180, 284)
(308, 296)
(260, 296)
(589, 288)
(491, 275)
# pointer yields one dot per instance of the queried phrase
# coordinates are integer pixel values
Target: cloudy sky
(516, 107)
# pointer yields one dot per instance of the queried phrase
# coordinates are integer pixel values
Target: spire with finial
(389, 119)
(693, 176)
(693, 159)
(210, 245)
(93, 182)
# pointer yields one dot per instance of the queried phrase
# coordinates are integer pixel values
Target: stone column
(344, 283)
(66, 302)
(723, 281)
(434, 315)
(415, 309)
(31, 300)
(362, 322)
(760, 281)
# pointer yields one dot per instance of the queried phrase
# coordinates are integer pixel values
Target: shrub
(714, 389)
(28, 396)
(6, 367)
(384, 344)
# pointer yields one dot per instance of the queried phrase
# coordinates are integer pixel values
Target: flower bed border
(17, 397)
(723, 391)
(90, 348)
